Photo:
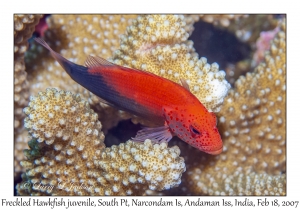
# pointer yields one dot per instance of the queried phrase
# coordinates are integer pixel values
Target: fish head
(196, 127)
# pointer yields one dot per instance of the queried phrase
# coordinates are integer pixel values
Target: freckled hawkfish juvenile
(170, 105)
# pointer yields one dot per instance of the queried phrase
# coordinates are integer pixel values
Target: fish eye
(194, 131)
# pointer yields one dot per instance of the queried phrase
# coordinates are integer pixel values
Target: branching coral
(252, 123)
(256, 111)
(158, 44)
(21, 143)
(239, 183)
(51, 116)
(67, 155)
(23, 29)
(145, 166)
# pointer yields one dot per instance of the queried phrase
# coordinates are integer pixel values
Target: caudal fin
(66, 64)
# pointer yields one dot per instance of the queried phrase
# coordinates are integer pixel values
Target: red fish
(171, 106)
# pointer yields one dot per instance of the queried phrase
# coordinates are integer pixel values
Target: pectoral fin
(156, 135)
(185, 84)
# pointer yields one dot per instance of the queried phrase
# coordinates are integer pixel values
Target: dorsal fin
(185, 84)
(92, 62)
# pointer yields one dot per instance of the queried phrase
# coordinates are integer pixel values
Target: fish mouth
(215, 152)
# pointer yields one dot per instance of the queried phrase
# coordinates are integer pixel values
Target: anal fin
(107, 103)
